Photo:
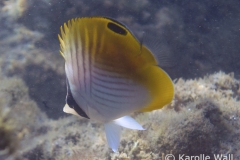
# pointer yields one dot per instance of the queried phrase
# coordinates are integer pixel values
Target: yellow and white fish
(110, 75)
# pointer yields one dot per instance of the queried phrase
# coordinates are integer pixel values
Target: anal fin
(113, 133)
(113, 130)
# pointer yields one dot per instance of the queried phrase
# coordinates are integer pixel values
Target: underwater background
(202, 38)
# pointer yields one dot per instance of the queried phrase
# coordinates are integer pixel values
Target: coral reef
(14, 8)
(42, 70)
(8, 142)
(202, 119)
(18, 116)
(201, 35)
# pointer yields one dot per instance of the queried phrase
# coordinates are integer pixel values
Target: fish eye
(117, 29)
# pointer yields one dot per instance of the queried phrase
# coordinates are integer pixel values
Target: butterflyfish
(110, 75)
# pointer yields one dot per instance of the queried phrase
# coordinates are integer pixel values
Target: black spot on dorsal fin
(72, 103)
(114, 20)
(116, 28)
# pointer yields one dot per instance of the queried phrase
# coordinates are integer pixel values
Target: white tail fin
(113, 130)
